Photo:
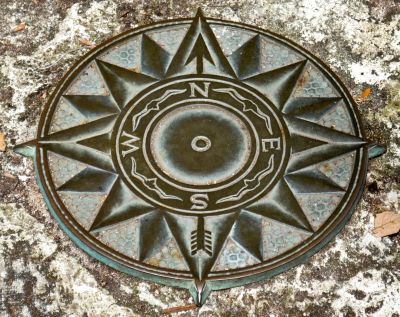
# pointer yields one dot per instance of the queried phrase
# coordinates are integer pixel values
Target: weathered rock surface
(42, 273)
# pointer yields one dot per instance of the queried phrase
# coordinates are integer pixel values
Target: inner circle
(201, 143)
(181, 144)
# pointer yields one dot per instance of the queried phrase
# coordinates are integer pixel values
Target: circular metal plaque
(200, 153)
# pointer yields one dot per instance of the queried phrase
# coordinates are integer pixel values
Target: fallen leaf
(366, 92)
(364, 95)
(2, 142)
(179, 309)
(124, 14)
(8, 175)
(386, 223)
(19, 27)
(86, 42)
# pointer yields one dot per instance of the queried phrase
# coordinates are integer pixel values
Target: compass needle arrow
(199, 52)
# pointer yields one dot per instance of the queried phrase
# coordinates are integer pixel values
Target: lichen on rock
(42, 273)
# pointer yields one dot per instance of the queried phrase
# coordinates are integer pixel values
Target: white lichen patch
(343, 30)
(85, 295)
(363, 285)
(27, 74)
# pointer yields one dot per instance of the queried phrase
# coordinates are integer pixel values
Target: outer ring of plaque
(170, 277)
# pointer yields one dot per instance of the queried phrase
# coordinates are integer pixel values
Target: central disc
(200, 144)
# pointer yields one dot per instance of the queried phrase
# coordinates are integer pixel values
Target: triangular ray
(318, 132)
(89, 180)
(199, 27)
(92, 107)
(300, 143)
(285, 210)
(320, 154)
(181, 228)
(247, 232)
(81, 154)
(338, 143)
(200, 53)
(121, 204)
(100, 143)
(312, 181)
(154, 234)
(311, 109)
(154, 59)
(234, 256)
(246, 59)
(279, 238)
(82, 132)
(220, 227)
(122, 83)
(278, 84)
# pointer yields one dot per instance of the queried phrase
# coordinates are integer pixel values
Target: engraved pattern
(63, 169)
(251, 184)
(275, 55)
(338, 119)
(318, 207)
(83, 206)
(66, 117)
(230, 38)
(88, 83)
(153, 105)
(168, 257)
(339, 169)
(314, 84)
(233, 257)
(122, 237)
(248, 105)
(151, 183)
(125, 55)
(280, 238)
(169, 39)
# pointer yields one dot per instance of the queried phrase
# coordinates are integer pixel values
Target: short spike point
(26, 149)
(246, 59)
(200, 291)
(375, 150)
(199, 12)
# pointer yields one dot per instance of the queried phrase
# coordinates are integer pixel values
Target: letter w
(129, 143)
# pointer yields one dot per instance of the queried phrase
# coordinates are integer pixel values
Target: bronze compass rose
(200, 153)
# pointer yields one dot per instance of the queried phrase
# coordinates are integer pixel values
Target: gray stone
(42, 273)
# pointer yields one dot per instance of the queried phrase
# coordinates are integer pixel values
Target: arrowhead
(199, 52)
(200, 41)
